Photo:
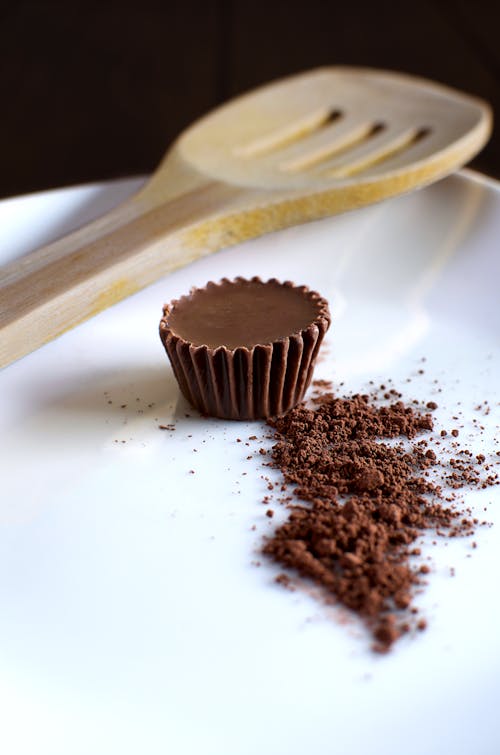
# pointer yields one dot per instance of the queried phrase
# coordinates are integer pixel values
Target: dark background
(96, 90)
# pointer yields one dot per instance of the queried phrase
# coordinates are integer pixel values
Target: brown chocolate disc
(244, 349)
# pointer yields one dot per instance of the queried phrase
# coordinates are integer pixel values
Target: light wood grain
(270, 159)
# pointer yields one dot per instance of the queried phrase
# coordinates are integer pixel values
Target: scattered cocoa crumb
(270, 513)
(365, 503)
(285, 581)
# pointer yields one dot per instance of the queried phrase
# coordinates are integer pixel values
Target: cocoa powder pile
(369, 492)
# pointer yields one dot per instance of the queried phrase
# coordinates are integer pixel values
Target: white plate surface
(131, 617)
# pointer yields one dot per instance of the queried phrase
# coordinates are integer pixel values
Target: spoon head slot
(284, 135)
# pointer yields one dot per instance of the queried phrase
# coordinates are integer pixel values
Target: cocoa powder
(366, 487)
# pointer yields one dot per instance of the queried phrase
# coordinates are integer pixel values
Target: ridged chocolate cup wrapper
(252, 380)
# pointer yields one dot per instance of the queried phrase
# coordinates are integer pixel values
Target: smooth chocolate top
(242, 313)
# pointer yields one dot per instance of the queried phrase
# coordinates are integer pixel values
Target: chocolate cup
(246, 383)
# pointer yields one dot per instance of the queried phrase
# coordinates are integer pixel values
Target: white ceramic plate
(131, 617)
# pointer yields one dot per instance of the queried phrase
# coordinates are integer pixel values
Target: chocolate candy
(245, 349)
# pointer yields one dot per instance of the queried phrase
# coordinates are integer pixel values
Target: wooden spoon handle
(54, 288)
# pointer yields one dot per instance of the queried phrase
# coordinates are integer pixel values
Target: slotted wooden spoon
(302, 148)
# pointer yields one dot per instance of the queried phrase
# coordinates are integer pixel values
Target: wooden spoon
(308, 146)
